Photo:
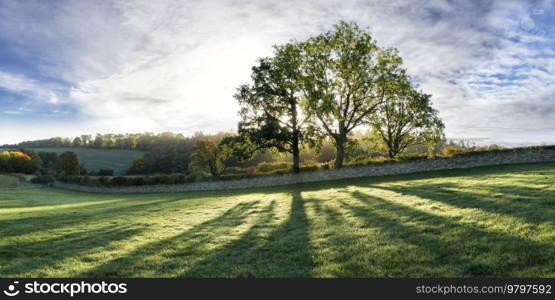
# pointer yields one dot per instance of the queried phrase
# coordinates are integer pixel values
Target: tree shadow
(264, 251)
(172, 254)
(463, 249)
(73, 216)
(26, 256)
(524, 203)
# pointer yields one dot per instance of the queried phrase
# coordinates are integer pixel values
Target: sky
(81, 67)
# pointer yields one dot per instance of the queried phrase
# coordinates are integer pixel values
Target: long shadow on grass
(72, 216)
(467, 249)
(21, 257)
(547, 168)
(263, 252)
(165, 257)
(526, 203)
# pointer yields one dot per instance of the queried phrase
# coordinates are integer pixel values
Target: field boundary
(424, 165)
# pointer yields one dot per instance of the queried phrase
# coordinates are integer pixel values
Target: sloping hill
(95, 159)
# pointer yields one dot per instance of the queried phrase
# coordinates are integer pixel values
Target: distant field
(482, 222)
(95, 159)
(8, 181)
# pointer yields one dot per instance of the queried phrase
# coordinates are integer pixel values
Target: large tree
(68, 163)
(345, 77)
(406, 118)
(270, 110)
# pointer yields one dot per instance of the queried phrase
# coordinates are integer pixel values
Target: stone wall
(459, 162)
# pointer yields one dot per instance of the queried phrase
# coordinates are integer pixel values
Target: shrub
(234, 170)
(139, 180)
(104, 180)
(43, 179)
(271, 166)
(119, 181)
(105, 172)
(309, 168)
(449, 151)
(84, 180)
(177, 178)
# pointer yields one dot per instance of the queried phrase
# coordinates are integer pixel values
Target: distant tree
(66, 142)
(85, 139)
(207, 154)
(77, 142)
(98, 141)
(56, 141)
(270, 111)
(35, 163)
(68, 163)
(345, 78)
(139, 166)
(19, 162)
(406, 118)
(49, 159)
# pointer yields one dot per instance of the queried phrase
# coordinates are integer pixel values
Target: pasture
(8, 181)
(481, 222)
(95, 159)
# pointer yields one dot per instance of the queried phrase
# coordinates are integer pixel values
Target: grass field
(8, 181)
(494, 221)
(95, 159)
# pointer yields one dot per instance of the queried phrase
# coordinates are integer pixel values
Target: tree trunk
(340, 141)
(296, 157)
(295, 142)
(339, 154)
(391, 153)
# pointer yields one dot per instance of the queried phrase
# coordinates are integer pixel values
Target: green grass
(8, 181)
(491, 222)
(95, 159)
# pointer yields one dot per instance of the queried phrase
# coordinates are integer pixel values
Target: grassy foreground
(495, 221)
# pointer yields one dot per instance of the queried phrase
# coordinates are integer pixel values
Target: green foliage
(267, 166)
(21, 161)
(346, 77)
(49, 159)
(453, 150)
(68, 163)
(43, 179)
(406, 118)
(211, 155)
(270, 110)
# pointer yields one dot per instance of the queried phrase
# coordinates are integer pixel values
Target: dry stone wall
(458, 162)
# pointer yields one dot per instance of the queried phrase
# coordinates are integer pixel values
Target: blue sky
(82, 67)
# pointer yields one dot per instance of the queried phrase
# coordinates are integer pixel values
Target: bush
(104, 180)
(84, 180)
(43, 179)
(105, 172)
(177, 178)
(139, 180)
(450, 151)
(119, 181)
(309, 168)
(272, 166)
(234, 170)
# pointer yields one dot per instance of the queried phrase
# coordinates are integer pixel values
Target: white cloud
(174, 65)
